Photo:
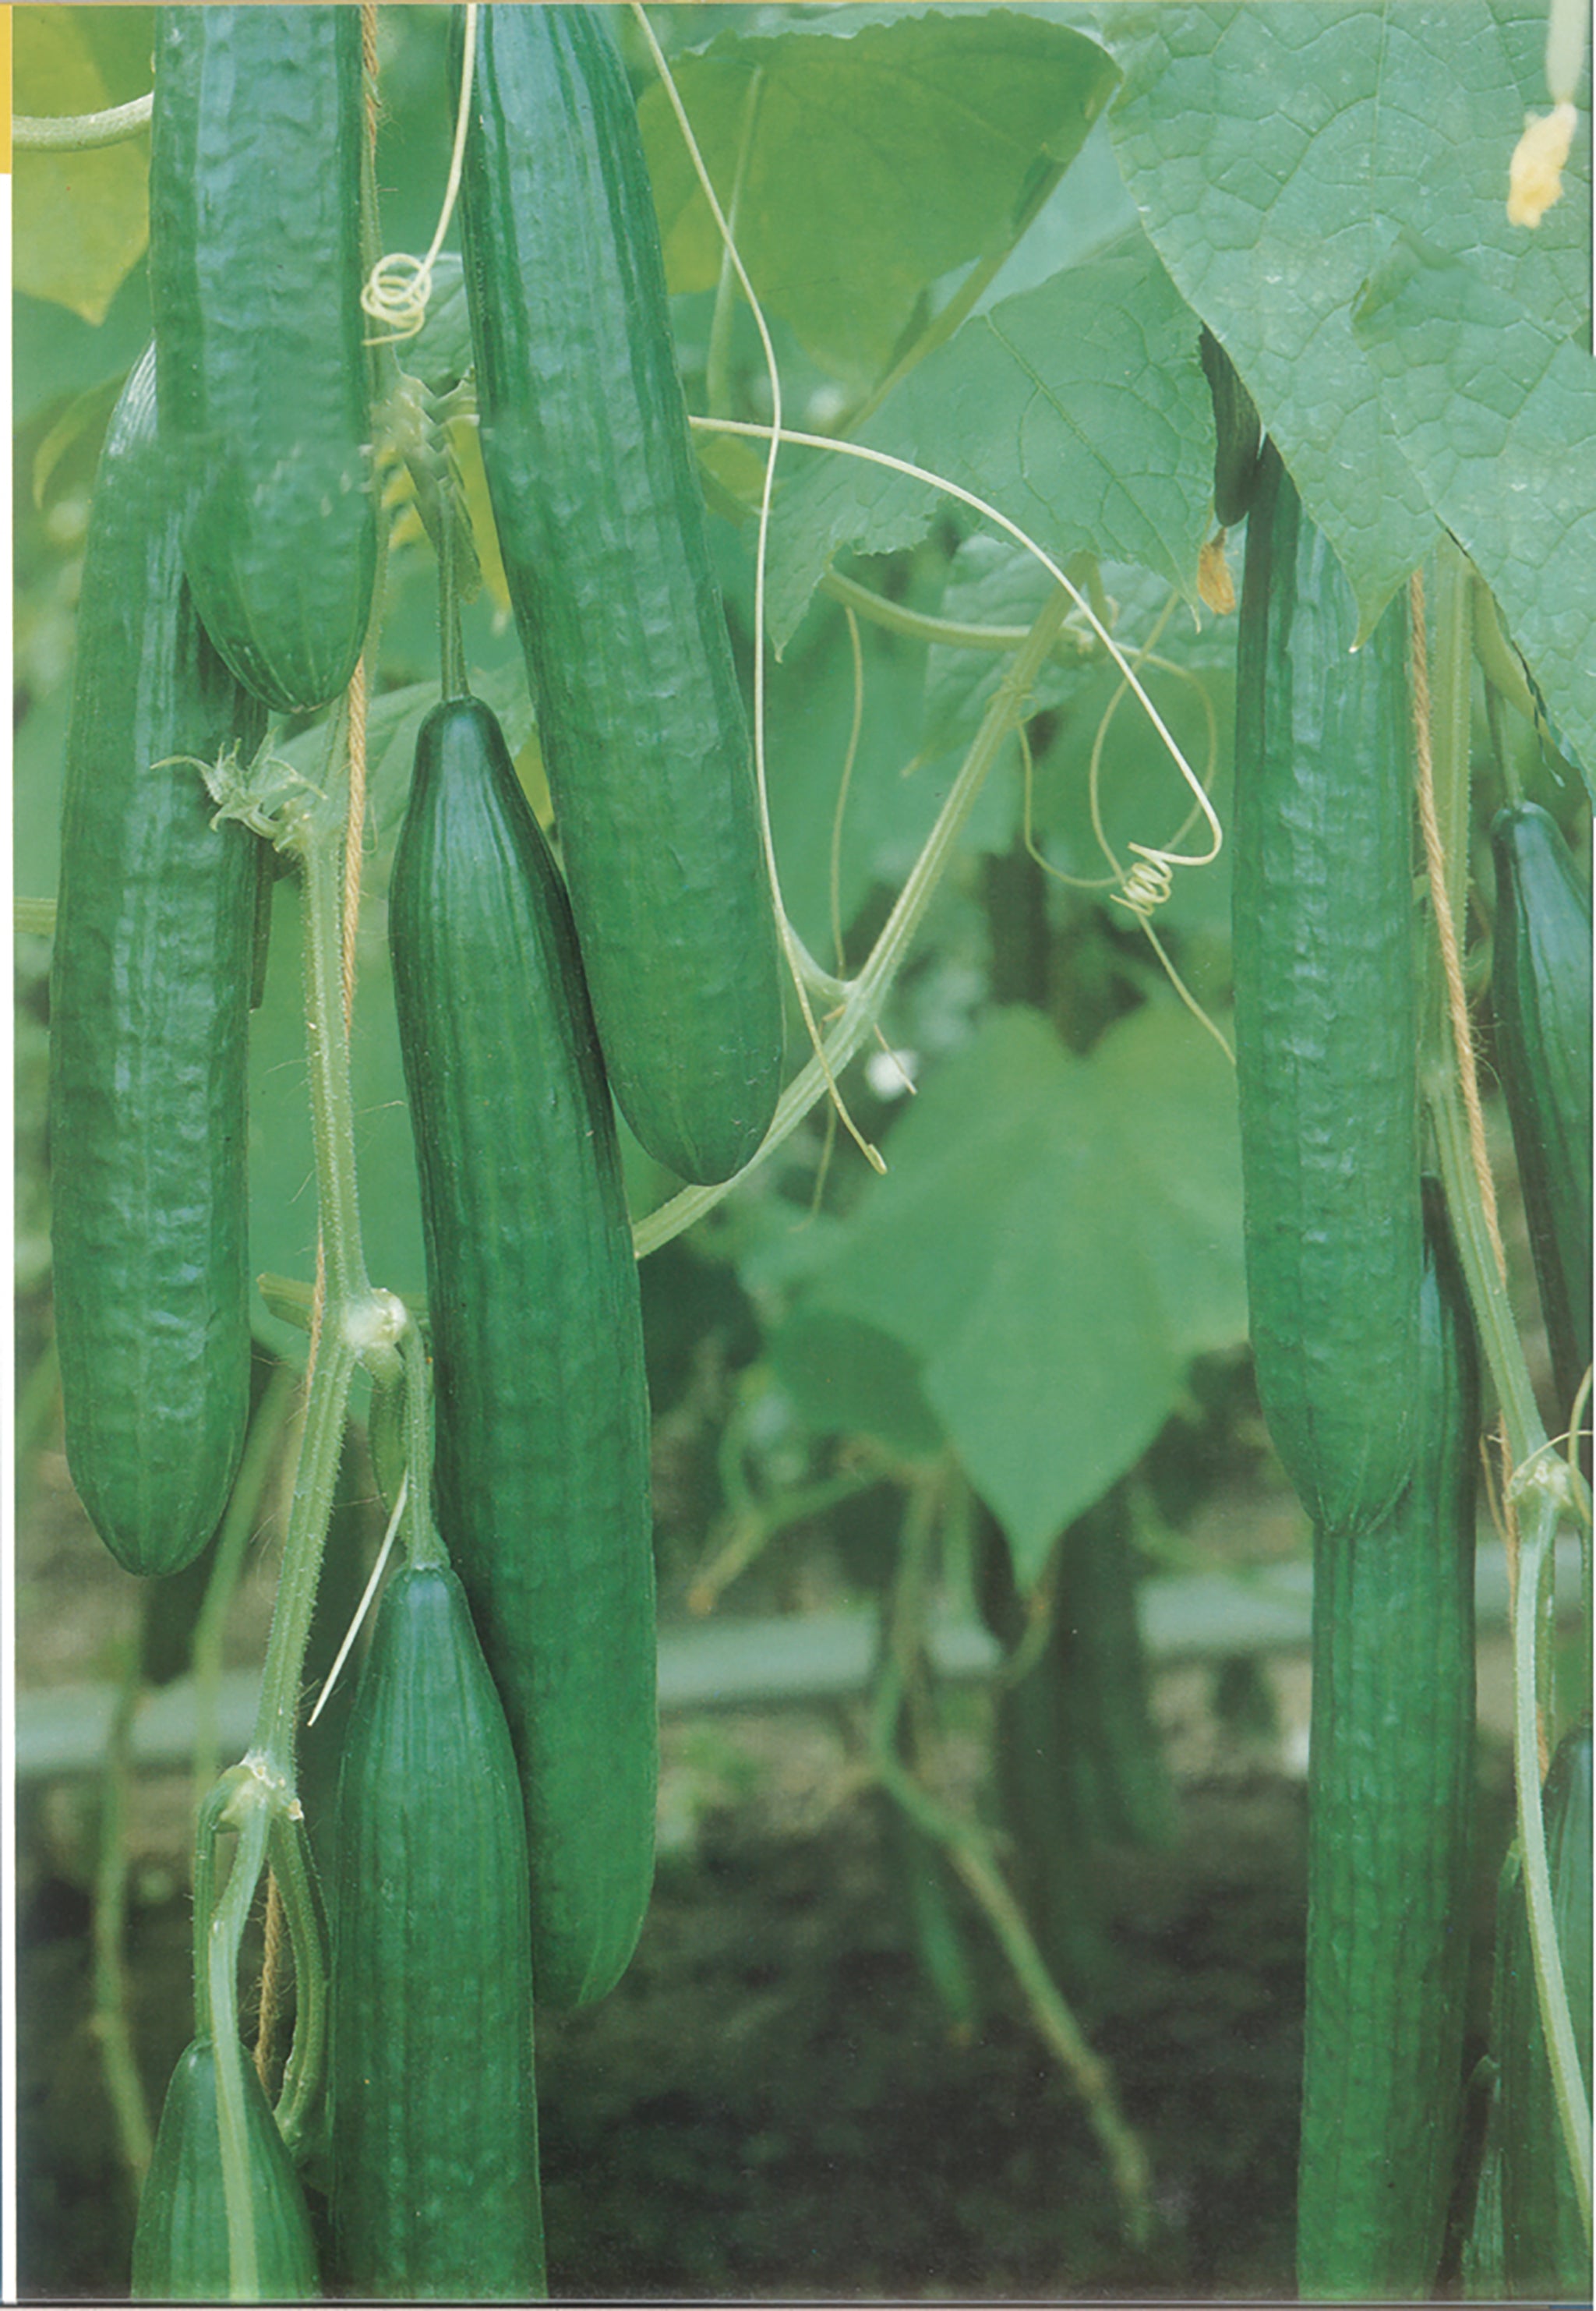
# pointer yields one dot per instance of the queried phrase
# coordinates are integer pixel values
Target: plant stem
(969, 1854)
(80, 132)
(1574, 2111)
(110, 1915)
(260, 1445)
(864, 996)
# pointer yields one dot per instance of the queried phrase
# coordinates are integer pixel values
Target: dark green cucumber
(149, 1017)
(1390, 1795)
(1540, 994)
(1326, 1015)
(601, 523)
(1238, 438)
(434, 2114)
(255, 282)
(1544, 2246)
(180, 2251)
(542, 1480)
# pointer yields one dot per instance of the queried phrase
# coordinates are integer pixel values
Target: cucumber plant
(504, 1740)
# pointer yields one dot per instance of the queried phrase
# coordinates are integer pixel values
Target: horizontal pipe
(733, 1663)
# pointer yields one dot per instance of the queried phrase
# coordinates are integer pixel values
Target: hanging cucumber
(255, 282)
(542, 1481)
(1540, 994)
(435, 2115)
(1326, 1016)
(601, 524)
(180, 2251)
(149, 1015)
(1390, 1797)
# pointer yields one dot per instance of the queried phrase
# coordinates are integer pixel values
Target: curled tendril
(396, 294)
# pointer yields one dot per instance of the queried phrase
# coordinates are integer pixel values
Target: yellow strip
(5, 83)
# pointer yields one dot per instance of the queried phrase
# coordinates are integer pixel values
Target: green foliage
(939, 126)
(1077, 407)
(1055, 1238)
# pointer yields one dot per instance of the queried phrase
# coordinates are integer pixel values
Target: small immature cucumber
(255, 282)
(434, 2116)
(601, 523)
(1540, 992)
(180, 2251)
(1326, 1015)
(1390, 1797)
(149, 1017)
(1544, 2246)
(542, 1481)
(1238, 443)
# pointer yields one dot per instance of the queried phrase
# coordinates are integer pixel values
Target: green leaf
(845, 1378)
(79, 221)
(1274, 152)
(1055, 1239)
(883, 151)
(1499, 425)
(1078, 408)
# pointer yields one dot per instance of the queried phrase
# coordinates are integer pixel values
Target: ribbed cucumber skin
(1540, 994)
(434, 2133)
(1325, 1016)
(543, 1483)
(601, 523)
(149, 1018)
(180, 2242)
(1390, 1795)
(1545, 2250)
(255, 282)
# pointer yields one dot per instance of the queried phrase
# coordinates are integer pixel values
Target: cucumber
(601, 523)
(435, 2115)
(1238, 438)
(255, 283)
(542, 1476)
(149, 1017)
(180, 2243)
(1541, 995)
(1544, 2246)
(1326, 1016)
(1391, 1796)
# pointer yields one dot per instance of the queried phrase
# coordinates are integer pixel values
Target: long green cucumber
(180, 2252)
(1544, 2246)
(542, 1480)
(601, 523)
(149, 1017)
(1390, 1797)
(1326, 1015)
(1540, 994)
(255, 282)
(434, 2114)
